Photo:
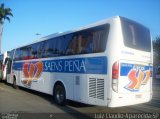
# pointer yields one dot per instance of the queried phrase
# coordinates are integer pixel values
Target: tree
(156, 50)
(5, 13)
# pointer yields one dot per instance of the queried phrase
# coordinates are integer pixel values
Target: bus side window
(30, 56)
(79, 47)
(57, 48)
(33, 51)
(96, 39)
(89, 43)
(61, 45)
(75, 44)
(24, 53)
(67, 39)
(40, 49)
(71, 46)
(17, 55)
(85, 39)
(78, 43)
(54, 41)
(98, 36)
(49, 48)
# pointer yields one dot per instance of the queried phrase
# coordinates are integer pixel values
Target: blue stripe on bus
(126, 67)
(87, 65)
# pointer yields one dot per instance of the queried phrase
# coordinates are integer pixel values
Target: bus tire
(60, 95)
(14, 83)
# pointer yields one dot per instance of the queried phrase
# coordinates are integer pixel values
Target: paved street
(22, 103)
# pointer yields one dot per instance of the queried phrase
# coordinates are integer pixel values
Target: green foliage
(156, 49)
(5, 13)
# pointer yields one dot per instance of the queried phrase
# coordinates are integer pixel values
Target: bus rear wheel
(14, 84)
(60, 95)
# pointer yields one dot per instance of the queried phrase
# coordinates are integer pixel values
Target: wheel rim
(60, 95)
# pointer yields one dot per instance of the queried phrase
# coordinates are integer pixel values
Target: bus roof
(79, 28)
(74, 30)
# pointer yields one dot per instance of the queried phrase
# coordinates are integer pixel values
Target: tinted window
(59, 46)
(48, 49)
(41, 49)
(1, 57)
(17, 55)
(11, 54)
(91, 40)
(135, 35)
(24, 52)
(33, 51)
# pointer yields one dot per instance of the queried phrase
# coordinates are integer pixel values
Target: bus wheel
(14, 84)
(60, 95)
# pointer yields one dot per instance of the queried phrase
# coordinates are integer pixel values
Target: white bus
(1, 66)
(108, 63)
(4, 65)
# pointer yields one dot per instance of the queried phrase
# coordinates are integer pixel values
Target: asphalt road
(27, 104)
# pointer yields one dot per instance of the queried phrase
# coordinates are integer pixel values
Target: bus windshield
(135, 35)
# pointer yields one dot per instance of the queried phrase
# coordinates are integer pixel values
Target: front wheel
(60, 95)
(14, 84)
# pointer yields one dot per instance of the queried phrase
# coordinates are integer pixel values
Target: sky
(45, 17)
